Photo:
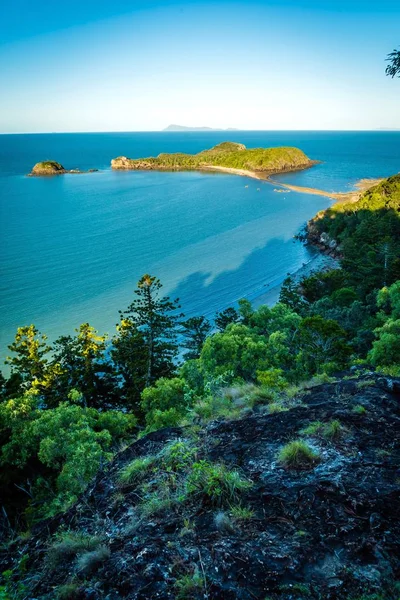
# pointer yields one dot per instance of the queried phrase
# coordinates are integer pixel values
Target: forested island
(263, 465)
(227, 156)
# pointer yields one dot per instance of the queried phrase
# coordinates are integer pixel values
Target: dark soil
(327, 532)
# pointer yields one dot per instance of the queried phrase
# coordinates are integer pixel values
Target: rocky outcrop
(330, 530)
(51, 167)
(48, 167)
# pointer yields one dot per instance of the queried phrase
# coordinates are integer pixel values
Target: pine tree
(30, 349)
(225, 317)
(157, 319)
(129, 355)
(195, 330)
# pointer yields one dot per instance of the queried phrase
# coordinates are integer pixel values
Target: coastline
(362, 185)
(270, 294)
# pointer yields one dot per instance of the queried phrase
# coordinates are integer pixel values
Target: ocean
(73, 247)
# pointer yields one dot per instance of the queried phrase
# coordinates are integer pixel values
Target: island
(174, 127)
(48, 167)
(230, 157)
(52, 167)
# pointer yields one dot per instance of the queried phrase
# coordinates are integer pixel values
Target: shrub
(136, 470)
(359, 409)
(70, 543)
(241, 513)
(177, 456)
(165, 403)
(88, 562)
(332, 430)
(298, 454)
(217, 483)
(68, 591)
(188, 586)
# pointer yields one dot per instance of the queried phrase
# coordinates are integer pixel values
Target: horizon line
(211, 130)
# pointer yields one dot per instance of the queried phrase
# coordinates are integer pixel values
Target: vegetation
(298, 454)
(228, 155)
(67, 407)
(393, 67)
(47, 167)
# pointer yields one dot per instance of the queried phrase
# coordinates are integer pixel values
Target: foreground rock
(329, 530)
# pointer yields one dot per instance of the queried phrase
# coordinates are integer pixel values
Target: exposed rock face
(329, 531)
(48, 167)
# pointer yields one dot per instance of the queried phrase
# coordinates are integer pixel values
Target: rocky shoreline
(51, 167)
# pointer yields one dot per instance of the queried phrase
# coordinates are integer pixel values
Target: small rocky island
(230, 157)
(52, 167)
(48, 167)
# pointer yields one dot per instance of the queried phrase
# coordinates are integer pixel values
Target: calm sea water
(73, 247)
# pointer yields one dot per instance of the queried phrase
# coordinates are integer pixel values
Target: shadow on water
(199, 293)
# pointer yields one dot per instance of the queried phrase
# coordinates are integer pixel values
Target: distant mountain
(184, 128)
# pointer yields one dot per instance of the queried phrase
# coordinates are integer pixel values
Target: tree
(81, 364)
(129, 355)
(165, 403)
(225, 317)
(195, 330)
(322, 341)
(157, 319)
(30, 349)
(393, 67)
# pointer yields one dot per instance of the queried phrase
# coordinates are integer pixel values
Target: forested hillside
(68, 407)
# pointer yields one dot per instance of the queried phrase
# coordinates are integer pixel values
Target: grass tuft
(71, 543)
(136, 470)
(298, 454)
(90, 561)
(217, 483)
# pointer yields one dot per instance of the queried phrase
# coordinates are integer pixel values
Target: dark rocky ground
(330, 531)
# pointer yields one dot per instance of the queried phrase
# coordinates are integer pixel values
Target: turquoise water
(73, 247)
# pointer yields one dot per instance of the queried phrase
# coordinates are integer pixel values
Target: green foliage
(216, 483)
(195, 330)
(298, 454)
(178, 456)
(359, 409)
(136, 470)
(241, 513)
(393, 67)
(332, 430)
(165, 403)
(272, 379)
(70, 442)
(189, 586)
(68, 544)
(29, 355)
(87, 562)
(225, 318)
(68, 591)
(156, 318)
(238, 157)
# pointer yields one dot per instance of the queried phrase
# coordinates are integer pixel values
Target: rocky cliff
(221, 512)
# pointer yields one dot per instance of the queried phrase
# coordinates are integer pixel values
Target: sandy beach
(362, 186)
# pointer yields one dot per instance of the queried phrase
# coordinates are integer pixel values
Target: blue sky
(134, 66)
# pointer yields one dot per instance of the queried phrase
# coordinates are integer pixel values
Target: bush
(136, 470)
(298, 454)
(70, 543)
(165, 403)
(189, 586)
(90, 561)
(217, 483)
(333, 430)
